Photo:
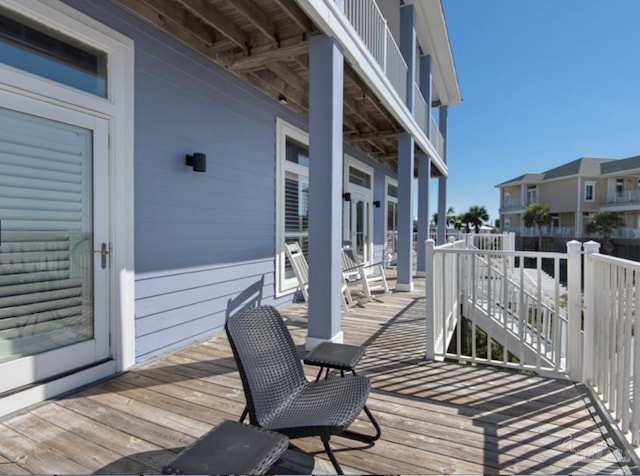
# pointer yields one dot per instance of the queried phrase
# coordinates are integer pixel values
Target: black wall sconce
(376, 203)
(346, 196)
(198, 161)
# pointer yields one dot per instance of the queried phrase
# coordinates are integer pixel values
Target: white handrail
(436, 137)
(367, 19)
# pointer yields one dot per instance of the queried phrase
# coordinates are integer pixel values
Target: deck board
(436, 417)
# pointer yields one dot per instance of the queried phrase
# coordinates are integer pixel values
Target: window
(532, 194)
(507, 199)
(391, 221)
(507, 223)
(37, 49)
(589, 191)
(292, 202)
(359, 177)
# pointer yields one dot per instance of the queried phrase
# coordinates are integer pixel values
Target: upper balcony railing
(626, 196)
(436, 137)
(420, 111)
(368, 21)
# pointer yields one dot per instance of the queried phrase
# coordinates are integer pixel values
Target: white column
(590, 248)
(574, 309)
(326, 69)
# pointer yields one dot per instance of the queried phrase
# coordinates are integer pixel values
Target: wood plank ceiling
(266, 42)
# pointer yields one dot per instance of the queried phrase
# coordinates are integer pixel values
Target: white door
(54, 262)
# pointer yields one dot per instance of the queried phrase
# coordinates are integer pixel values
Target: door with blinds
(54, 255)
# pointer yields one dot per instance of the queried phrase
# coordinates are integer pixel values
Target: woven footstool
(230, 448)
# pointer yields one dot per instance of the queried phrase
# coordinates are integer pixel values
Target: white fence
(612, 351)
(368, 21)
(527, 311)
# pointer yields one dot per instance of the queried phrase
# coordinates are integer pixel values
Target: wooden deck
(435, 417)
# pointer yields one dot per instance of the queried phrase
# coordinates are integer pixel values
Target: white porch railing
(612, 350)
(527, 317)
(436, 137)
(534, 323)
(368, 21)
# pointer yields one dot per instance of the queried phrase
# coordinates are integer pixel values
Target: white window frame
(507, 223)
(535, 189)
(118, 109)
(283, 130)
(590, 184)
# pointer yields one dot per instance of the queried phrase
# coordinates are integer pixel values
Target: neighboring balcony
(550, 231)
(511, 205)
(368, 21)
(625, 200)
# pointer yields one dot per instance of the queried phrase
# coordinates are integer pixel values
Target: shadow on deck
(436, 417)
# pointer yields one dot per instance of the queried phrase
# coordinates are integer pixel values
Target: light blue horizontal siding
(200, 238)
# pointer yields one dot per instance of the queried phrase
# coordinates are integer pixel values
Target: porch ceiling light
(198, 161)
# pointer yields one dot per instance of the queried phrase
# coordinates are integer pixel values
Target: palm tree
(476, 216)
(462, 220)
(451, 218)
(605, 223)
(537, 214)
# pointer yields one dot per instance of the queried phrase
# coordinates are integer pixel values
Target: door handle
(104, 255)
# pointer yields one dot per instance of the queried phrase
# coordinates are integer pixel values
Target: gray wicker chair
(279, 397)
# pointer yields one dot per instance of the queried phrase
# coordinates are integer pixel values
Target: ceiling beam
(212, 16)
(296, 14)
(172, 19)
(382, 135)
(257, 60)
(257, 17)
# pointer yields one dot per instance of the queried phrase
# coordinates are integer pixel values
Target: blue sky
(543, 82)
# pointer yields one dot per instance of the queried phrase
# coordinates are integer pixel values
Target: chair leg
(355, 435)
(244, 414)
(332, 457)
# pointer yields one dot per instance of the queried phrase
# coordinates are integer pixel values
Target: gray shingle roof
(620, 165)
(581, 166)
(523, 178)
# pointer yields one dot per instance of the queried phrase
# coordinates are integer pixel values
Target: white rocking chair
(371, 276)
(301, 270)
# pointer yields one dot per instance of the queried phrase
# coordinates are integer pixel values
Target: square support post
(442, 181)
(326, 72)
(590, 248)
(574, 311)
(405, 218)
(424, 177)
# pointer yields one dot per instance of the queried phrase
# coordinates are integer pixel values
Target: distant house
(156, 155)
(574, 192)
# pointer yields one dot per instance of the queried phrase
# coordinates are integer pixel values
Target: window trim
(591, 184)
(284, 130)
